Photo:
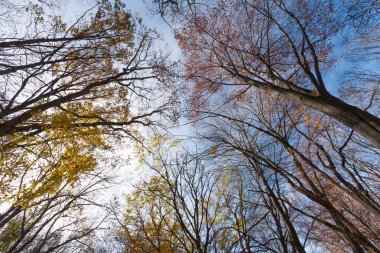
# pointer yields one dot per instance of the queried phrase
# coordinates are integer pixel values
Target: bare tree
(323, 163)
(56, 222)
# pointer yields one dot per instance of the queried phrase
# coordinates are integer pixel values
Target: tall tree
(69, 92)
(272, 45)
(192, 205)
(187, 188)
(331, 173)
(58, 221)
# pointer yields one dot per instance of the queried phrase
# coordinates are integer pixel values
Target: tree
(58, 221)
(261, 218)
(324, 163)
(192, 205)
(53, 112)
(148, 223)
(49, 69)
(271, 45)
(183, 190)
(69, 92)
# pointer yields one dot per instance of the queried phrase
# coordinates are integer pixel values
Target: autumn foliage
(272, 154)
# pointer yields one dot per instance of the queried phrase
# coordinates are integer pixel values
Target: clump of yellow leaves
(155, 229)
(156, 146)
(62, 142)
(36, 166)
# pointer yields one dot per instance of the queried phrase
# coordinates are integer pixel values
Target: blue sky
(140, 8)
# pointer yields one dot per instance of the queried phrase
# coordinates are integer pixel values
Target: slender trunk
(358, 241)
(296, 243)
(10, 214)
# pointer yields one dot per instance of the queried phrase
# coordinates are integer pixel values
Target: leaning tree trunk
(355, 118)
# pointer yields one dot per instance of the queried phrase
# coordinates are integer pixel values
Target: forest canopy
(264, 135)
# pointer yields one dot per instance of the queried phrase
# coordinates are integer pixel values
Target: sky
(129, 173)
(132, 173)
(73, 9)
(140, 8)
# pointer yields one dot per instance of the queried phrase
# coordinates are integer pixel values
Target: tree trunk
(359, 120)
